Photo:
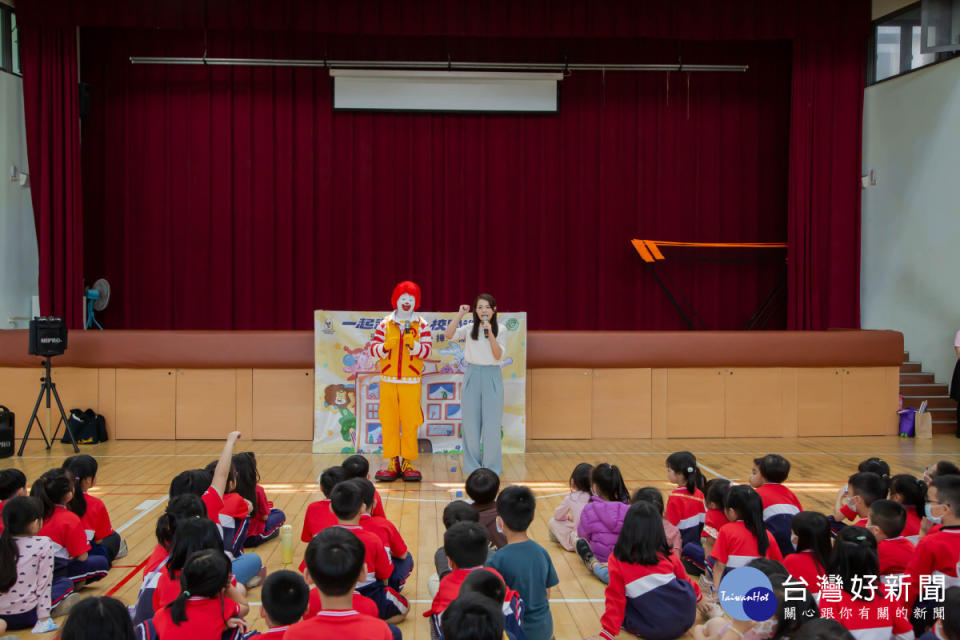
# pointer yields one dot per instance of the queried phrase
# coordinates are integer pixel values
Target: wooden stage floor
(134, 477)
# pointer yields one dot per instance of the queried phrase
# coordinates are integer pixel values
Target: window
(895, 46)
(9, 43)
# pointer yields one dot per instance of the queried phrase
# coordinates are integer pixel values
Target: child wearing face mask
(937, 552)
(485, 343)
(862, 490)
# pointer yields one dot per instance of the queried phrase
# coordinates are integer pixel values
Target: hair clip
(861, 537)
(689, 469)
(186, 593)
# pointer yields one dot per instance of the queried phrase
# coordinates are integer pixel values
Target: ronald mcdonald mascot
(401, 342)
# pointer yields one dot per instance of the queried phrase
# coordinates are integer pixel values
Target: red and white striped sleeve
(375, 346)
(426, 341)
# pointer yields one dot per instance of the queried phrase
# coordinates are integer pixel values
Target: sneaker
(583, 550)
(409, 473)
(391, 473)
(256, 580)
(122, 553)
(65, 605)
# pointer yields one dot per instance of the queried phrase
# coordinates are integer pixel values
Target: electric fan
(96, 299)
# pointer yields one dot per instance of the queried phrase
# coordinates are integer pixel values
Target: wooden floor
(134, 477)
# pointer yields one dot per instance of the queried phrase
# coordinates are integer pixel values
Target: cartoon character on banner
(459, 364)
(402, 341)
(343, 399)
(358, 361)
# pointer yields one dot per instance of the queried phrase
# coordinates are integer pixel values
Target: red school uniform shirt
(213, 501)
(912, 528)
(379, 564)
(936, 554)
(685, 510)
(895, 555)
(154, 559)
(205, 619)
(66, 532)
(96, 520)
(274, 633)
(387, 532)
(773, 494)
(337, 623)
(736, 546)
(361, 604)
(714, 520)
(2, 502)
(377, 510)
(258, 519)
(803, 564)
(450, 588)
(318, 517)
(234, 506)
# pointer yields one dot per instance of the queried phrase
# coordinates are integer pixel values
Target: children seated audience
(947, 627)
(854, 500)
(602, 518)
(346, 502)
(93, 618)
(28, 588)
(685, 506)
(780, 505)
(91, 510)
(813, 542)
(524, 565)
(454, 512)
(356, 466)
(649, 593)
(490, 585)
(336, 562)
(745, 537)
(13, 483)
(654, 497)
(472, 617)
(696, 557)
(265, 519)
(566, 517)
(886, 521)
(396, 548)
(285, 597)
(912, 494)
(319, 516)
(482, 486)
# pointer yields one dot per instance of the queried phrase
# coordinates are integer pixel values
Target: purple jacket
(600, 524)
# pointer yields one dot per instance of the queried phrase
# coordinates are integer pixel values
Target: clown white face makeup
(405, 304)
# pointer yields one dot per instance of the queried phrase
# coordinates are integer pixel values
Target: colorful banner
(347, 399)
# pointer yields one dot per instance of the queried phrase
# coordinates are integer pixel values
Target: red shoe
(409, 473)
(391, 473)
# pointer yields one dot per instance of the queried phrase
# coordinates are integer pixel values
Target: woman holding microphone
(482, 400)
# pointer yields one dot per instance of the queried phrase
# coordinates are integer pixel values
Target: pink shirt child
(563, 524)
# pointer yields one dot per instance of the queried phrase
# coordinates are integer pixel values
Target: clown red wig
(406, 287)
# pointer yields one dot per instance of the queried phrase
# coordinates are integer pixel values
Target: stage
(179, 385)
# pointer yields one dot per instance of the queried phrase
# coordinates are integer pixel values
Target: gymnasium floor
(134, 477)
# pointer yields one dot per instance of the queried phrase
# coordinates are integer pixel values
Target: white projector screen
(370, 90)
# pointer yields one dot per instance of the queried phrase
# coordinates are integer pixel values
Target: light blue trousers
(482, 407)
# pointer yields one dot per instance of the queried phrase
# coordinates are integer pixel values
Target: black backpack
(89, 427)
(8, 433)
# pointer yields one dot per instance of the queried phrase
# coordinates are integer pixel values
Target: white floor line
(144, 508)
(403, 499)
(716, 473)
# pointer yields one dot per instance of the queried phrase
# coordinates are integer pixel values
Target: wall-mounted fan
(95, 299)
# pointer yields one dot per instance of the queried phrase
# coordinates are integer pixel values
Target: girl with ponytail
(685, 506)
(205, 607)
(854, 558)
(27, 586)
(912, 494)
(72, 557)
(745, 537)
(602, 518)
(813, 542)
(91, 510)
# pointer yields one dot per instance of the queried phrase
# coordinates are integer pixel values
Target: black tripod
(47, 386)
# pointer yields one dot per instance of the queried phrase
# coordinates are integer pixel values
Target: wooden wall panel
(283, 404)
(621, 403)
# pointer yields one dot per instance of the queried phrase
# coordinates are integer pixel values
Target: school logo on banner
(347, 394)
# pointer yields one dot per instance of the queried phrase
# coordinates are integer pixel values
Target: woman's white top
(956, 340)
(479, 351)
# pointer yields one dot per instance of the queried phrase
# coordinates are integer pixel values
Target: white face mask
(794, 540)
(765, 629)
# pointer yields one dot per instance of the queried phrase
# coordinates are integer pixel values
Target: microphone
(486, 332)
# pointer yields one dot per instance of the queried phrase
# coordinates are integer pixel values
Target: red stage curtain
(49, 62)
(317, 215)
(236, 199)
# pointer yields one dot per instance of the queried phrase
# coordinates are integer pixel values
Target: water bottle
(286, 544)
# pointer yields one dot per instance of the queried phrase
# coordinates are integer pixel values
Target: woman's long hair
(18, 514)
(748, 506)
(475, 334)
(82, 467)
